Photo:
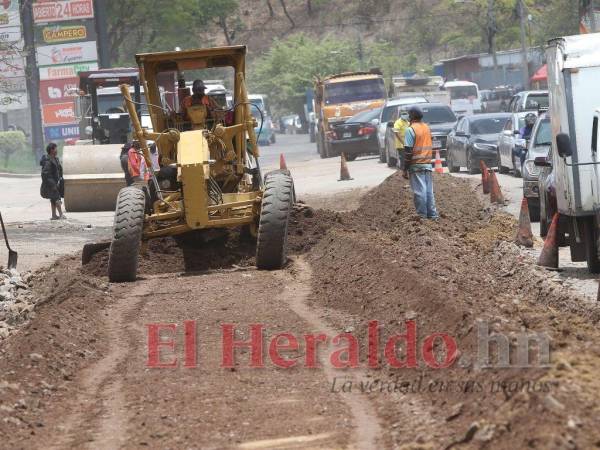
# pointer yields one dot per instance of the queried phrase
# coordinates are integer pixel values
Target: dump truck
(208, 178)
(92, 170)
(428, 87)
(339, 97)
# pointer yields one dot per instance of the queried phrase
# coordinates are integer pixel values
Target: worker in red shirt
(136, 164)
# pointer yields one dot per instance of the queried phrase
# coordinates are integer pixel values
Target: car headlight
(479, 146)
(532, 168)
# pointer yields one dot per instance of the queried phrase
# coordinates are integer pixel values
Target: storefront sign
(9, 13)
(13, 84)
(66, 70)
(59, 113)
(60, 132)
(67, 53)
(59, 33)
(49, 11)
(9, 101)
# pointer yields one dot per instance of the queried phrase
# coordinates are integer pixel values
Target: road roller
(92, 170)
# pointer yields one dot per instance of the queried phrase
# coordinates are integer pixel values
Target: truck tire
(271, 245)
(591, 245)
(127, 235)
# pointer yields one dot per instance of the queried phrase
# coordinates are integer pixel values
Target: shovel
(12, 255)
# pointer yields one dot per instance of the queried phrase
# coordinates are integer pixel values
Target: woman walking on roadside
(52, 181)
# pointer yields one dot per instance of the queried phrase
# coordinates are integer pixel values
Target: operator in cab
(198, 107)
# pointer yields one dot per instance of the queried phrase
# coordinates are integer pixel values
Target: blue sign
(61, 132)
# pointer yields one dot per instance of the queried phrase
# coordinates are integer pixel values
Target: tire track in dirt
(296, 293)
(100, 405)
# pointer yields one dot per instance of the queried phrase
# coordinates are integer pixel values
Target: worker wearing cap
(400, 127)
(418, 152)
(198, 98)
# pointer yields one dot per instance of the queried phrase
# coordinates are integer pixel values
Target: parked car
(475, 139)
(510, 145)
(539, 146)
(528, 101)
(441, 121)
(388, 113)
(357, 135)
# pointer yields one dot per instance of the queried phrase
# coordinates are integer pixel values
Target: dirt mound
(453, 276)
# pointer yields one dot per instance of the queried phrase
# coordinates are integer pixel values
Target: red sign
(59, 113)
(58, 91)
(54, 11)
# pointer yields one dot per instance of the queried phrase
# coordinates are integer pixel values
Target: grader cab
(208, 175)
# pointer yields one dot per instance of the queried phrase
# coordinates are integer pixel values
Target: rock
(455, 412)
(36, 357)
(12, 420)
(486, 433)
(552, 404)
(574, 423)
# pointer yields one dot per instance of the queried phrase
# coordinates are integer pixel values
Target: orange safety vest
(423, 149)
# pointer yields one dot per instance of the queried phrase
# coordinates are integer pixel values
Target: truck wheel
(501, 169)
(271, 246)
(591, 245)
(351, 157)
(517, 166)
(127, 235)
(382, 155)
(391, 162)
(450, 163)
(472, 168)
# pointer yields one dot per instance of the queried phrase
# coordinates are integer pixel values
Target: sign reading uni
(67, 53)
(62, 32)
(59, 132)
(56, 11)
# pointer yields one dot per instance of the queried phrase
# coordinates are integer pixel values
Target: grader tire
(127, 235)
(271, 246)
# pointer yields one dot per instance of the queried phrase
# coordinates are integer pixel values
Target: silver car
(539, 146)
(510, 144)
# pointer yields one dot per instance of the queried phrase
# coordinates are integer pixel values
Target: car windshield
(462, 92)
(544, 133)
(365, 116)
(438, 114)
(488, 126)
(109, 102)
(354, 91)
(536, 101)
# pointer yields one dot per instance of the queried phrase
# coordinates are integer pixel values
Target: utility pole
(101, 30)
(33, 79)
(491, 35)
(592, 17)
(524, 50)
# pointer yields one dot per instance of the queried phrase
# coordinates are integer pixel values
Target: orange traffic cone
(344, 172)
(438, 163)
(524, 234)
(495, 192)
(549, 255)
(485, 177)
(282, 164)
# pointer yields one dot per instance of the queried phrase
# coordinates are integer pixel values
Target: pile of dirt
(455, 276)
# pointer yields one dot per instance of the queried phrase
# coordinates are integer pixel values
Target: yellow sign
(54, 34)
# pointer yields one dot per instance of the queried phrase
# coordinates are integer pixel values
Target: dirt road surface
(376, 335)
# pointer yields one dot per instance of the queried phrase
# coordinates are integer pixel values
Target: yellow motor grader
(208, 176)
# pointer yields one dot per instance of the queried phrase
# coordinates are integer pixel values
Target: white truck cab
(464, 97)
(573, 74)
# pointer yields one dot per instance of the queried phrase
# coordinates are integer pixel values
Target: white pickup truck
(573, 74)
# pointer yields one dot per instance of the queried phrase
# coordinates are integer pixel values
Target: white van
(464, 97)
(573, 74)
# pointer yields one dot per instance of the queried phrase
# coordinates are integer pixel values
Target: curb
(18, 175)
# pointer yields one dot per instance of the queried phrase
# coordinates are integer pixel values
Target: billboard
(49, 11)
(12, 65)
(60, 132)
(59, 113)
(11, 35)
(13, 84)
(67, 53)
(9, 13)
(65, 71)
(63, 32)
(58, 91)
(10, 101)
